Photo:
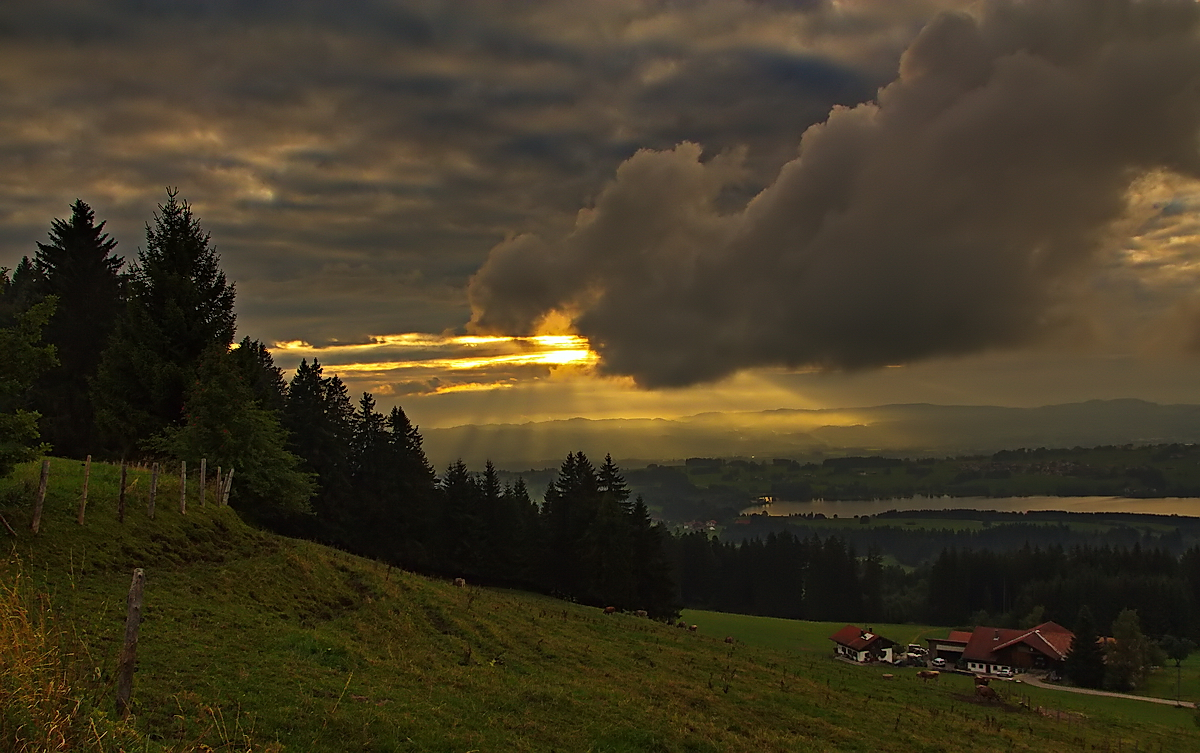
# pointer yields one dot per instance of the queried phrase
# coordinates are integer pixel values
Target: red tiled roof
(856, 638)
(1049, 638)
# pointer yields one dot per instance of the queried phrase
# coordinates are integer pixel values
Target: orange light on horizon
(535, 350)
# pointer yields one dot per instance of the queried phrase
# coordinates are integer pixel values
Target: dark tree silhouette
(1084, 664)
(78, 267)
(179, 305)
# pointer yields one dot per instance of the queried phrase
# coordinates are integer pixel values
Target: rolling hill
(255, 642)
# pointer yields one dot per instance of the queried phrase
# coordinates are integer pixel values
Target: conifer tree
(528, 541)
(571, 502)
(610, 481)
(413, 486)
(319, 418)
(654, 589)
(257, 367)
(460, 524)
(369, 517)
(21, 288)
(178, 306)
(1084, 664)
(78, 267)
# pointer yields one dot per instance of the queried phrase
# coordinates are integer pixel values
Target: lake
(1189, 506)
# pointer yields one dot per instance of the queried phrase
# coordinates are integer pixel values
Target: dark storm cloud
(355, 161)
(957, 214)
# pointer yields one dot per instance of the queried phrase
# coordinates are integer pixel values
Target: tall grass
(40, 706)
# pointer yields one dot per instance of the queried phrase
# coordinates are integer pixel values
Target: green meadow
(255, 642)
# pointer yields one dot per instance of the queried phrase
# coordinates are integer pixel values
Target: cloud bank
(963, 210)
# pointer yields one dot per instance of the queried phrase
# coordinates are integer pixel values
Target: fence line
(224, 483)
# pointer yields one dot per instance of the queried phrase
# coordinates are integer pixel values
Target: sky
(512, 211)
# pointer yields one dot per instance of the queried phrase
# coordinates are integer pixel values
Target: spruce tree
(77, 266)
(21, 288)
(179, 305)
(258, 371)
(571, 504)
(369, 515)
(319, 418)
(1084, 664)
(528, 540)
(413, 486)
(461, 527)
(654, 588)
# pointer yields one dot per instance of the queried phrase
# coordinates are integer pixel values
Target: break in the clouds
(971, 206)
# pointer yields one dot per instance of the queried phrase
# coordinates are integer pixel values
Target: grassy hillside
(257, 642)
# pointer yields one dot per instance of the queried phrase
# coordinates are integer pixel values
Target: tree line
(780, 576)
(814, 578)
(138, 360)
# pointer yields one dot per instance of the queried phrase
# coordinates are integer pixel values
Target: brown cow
(729, 639)
(642, 613)
(928, 674)
(610, 610)
(981, 680)
(681, 624)
(693, 628)
(985, 693)
(460, 582)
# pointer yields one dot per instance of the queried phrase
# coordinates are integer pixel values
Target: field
(254, 642)
(806, 639)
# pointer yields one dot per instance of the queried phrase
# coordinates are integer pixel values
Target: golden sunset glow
(430, 362)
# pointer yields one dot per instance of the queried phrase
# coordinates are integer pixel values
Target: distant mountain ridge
(908, 429)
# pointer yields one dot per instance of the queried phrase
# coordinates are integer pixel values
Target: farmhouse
(857, 644)
(993, 649)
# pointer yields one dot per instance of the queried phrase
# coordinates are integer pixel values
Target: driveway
(1037, 682)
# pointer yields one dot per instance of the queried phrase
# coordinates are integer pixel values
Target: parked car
(1003, 672)
(939, 662)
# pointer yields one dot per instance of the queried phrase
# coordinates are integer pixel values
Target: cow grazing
(985, 693)
(729, 639)
(681, 624)
(460, 582)
(642, 613)
(610, 610)
(981, 680)
(928, 674)
(693, 628)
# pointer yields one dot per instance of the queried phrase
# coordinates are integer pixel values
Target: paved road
(1088, 691)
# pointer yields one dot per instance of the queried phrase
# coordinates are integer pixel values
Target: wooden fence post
(228, 483)
(121, 494)
(183, 487)
(153, 489)
(203, 468)
(87, 473)
(220, 480)
(133, 620)
(41, 496)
